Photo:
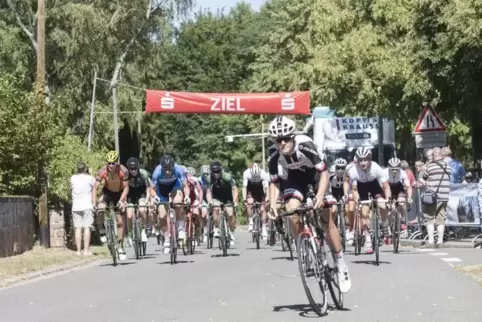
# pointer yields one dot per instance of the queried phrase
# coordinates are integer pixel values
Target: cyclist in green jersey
(221, 188)
(140, 191)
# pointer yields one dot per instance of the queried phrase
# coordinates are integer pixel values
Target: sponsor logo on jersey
(307, 149)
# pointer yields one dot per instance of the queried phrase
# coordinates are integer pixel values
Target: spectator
(468, 178)
(429, 155)
(82, 208)
(436, 177)
(408, 171)
(419, 168)
(458, 170)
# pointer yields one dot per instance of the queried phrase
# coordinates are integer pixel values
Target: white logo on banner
(288, 103)
(167, 102)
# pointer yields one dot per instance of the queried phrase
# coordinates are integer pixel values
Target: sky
(227, 4)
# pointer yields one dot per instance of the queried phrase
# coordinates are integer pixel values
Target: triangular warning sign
(429, 121)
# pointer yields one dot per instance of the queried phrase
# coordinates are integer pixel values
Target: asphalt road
(249, 285)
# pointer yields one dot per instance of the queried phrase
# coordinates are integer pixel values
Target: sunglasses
(393, 169)
(112, 163)
(285, 139)
(339, 168)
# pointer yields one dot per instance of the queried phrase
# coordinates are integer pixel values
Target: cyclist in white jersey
(400, 188)
(255, 188)
(302, 165)
(365, 178)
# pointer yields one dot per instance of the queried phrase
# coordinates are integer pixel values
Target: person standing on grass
(81, 185)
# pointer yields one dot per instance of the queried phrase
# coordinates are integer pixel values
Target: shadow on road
(251, 248)
(288, 258)
(400, 252)
(178, 262)
(305, 310)
(370, 262)
(229, 255)
(118, 264)
(149, 256)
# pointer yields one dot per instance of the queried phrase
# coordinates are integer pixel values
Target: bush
(68, 151)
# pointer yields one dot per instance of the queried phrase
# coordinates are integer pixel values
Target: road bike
(313, 261)
(375, 224)
(210, 225)
(224, 235)
(111, 231)
(284, 231)
(139, 245)
(191, 229)
(256, 223)
(173, 231)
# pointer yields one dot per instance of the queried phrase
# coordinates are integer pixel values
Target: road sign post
(430, 131)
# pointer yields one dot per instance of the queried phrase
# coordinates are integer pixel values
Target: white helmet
(394, 163)
(205, 169)
(282, 127)
(363, 153)
(340, 162)
(255, 170)
(191, 171)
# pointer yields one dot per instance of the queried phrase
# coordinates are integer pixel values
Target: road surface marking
(438, 254)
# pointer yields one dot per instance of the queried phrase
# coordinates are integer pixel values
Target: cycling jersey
(299, 169)
(192, 183)
(168, 184)
(113, 180)
(255, 186)
(397, 181)
(222, 189)
(139, 182)
(336, 185)
(368, 182)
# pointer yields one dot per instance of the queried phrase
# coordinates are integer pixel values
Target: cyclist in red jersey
(194, 190)
(114, 177)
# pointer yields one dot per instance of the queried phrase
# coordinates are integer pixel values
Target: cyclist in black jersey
(302, 166)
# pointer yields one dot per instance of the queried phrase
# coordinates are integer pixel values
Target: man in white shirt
(81, 185)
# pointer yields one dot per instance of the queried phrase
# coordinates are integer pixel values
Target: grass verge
(40, 258)
(474, 271)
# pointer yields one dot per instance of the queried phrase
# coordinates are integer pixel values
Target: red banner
(227, 103)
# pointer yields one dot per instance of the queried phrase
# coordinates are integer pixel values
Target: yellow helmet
(112, 156)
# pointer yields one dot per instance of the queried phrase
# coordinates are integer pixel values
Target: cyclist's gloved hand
(409, 200)
(195, 203)
(187, 200)
(157, 199)
(273, 213)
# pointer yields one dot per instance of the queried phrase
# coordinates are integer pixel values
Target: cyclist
(255, 188)
(194, 190)
(400, 188)
(303, 166)
(114, 176)
(337, 180)
(365, 177)
(140, 191)
(205, 172)
(168, 179)
(222, 189)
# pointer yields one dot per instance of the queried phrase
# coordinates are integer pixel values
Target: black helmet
(167, 162)
(216, 166)
(132, 163)
(81, 167)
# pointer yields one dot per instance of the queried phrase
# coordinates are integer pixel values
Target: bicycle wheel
(356, 235)
(111, 241)
(256, 230)
(376, 239)
(396, 232)
(173, 241)
(342, 228)
(209, 233)
(137, 238)
(288, 237)
(310, 268)
(331, 275)
(272, 234)
(223, 235)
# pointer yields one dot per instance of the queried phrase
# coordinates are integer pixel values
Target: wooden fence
(17, 225)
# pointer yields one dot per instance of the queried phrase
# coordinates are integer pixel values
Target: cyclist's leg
(142, 201)
(231, 216)
(162, 217)
(249, 209)
(177, 197)
(131, 201)
(332, 234)
(383, 209)
(99, 218)
(216, 212)
(204, 215)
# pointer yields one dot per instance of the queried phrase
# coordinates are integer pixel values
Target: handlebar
(301, 209)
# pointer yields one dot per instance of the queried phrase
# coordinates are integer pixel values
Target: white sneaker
(233, 238)
(167, 247)
(344, 279)
(181, 234)
(216, 233)
(103, 239)
(264, 232)
(205, 238)
(143, 236)
(250, 225)
(122, 254)
(349, 237)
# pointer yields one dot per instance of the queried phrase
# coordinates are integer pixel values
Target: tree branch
(28, 32)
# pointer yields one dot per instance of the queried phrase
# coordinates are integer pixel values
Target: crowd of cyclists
(296, 168)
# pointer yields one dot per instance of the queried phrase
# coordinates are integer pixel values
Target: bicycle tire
(305, 247)
(289, 237)
(342, 228)
(356, 235)
(272, 234)
(173, 241)
(144, 248)
(256, 230)
(111, 237)
(209, 232)
(136, 239)
(223, 237)
(376, 239)
(396, 233)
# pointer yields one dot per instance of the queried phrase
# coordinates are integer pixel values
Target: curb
(418, 243)
(13, 281)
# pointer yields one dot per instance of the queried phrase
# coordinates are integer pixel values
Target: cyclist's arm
(310, 150)
(125, 191)
(274, 175)
(209, 195)
(234, 190)
(408, 186)
(245, 185)
(200, 193)
(185, 188)
(384, 182)
(354, 189)
(346, 186)
(265, 182)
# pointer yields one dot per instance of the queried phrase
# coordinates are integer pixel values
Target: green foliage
(67, 152)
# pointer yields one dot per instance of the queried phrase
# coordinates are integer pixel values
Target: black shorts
(256, 191)
(111, 198)
(337, 193)
(222, 195)
(299, 183)
(397, 189)
(370, 187)
(135, 194)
